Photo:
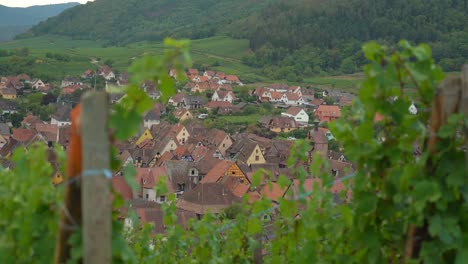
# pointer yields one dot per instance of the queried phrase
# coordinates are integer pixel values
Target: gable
(145, 136)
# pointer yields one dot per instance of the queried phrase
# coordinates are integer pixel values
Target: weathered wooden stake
(96, 201)
(464, 106)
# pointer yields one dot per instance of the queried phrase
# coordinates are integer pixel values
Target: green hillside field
(218, 53)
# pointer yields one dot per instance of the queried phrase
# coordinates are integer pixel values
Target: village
(207, 167)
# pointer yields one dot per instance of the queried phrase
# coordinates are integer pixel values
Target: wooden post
(96, 200)
(464, 105)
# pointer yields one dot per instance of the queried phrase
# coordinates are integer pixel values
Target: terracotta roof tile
(23, 134)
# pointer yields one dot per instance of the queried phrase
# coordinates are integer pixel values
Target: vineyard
(407, 202)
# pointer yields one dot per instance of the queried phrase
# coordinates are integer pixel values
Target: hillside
(15, 20)
(127, 21)
(290, 38)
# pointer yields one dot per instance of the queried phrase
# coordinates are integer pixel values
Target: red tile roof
(294, 110)
(217, 172)
(274, 193)
(23, 134)
(121, 186)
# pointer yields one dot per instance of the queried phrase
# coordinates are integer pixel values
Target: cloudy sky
(25, 3)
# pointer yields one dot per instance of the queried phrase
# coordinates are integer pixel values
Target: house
(319, 142)
(152, 117)
(232, 79)
(146, 135)
(273, 191)
(122, 80)
(224, 105)
(295, 89)
(207, 197)
(3, 141)
(30, 121)
(299, 114)
(37, 84)
(182, 114)
(8, 107)
(316, 102)
(193, 101)
(223, 170)
(219, 139)
(282, 124)
(292, 99)
(71, 89)
(245, 151)
(327, 113)
(87, 74)
(226, 96)
(106, 72)
(5, 131)
(209, 74)
(62, 116)
(8, 93)
(69, 81)
(176, 100)
(150, 88)
(49, 132)
(278, 152)
(23, 135)
(192, 72)
(147, 178)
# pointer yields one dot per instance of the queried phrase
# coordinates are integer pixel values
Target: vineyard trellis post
(96, 196)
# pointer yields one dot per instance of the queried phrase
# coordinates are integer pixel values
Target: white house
(69, 81)
(37, 84)
(292, 99)
(299, 114)
(226, 96)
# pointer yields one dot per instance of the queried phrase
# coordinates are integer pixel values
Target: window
(162, 198)
(224, 145)
(192, 172)
(257, 158)
(256, 151)
(147, 196)
(233, 173)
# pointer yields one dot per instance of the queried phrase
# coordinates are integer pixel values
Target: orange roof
(121, 186)
(294, 110)
(232, 78)
(216, 104)
(274, 193)
(292, 96)
(276, 95)
(329, 110)
(22, 134)
(217, 172)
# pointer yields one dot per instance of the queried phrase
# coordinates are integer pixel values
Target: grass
(348, 82)
(218, 53)
(235, 120)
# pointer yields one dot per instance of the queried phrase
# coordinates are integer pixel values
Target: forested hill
(126, 21)
(14, 20)
(326, 35)
(289, 37)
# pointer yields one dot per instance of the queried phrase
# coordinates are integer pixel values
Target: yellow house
(235, 171)
(8, 93)
(256, 156)
(183, 114)
(145, 136)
